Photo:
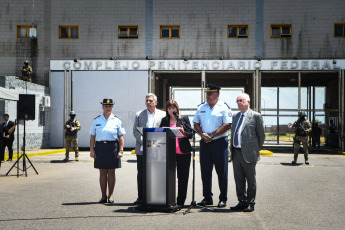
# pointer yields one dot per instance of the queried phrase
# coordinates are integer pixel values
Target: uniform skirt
(106, 155)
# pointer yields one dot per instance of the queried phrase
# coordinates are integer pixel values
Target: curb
(37, 153)
(266, 152)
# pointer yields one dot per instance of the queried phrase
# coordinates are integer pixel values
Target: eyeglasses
(241, 100)
(150, 101)
(108, 106)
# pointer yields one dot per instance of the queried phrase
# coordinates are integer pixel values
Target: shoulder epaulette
(201, 104)
(97, 117)
(227, 105)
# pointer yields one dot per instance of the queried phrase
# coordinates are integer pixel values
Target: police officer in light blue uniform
(106, 147)
(213, 120)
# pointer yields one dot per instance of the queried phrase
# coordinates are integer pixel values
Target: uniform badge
(230, 113)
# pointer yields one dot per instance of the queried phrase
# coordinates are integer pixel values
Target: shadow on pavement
(61, 161)
(81, 203)
(290, 164)
(119, 204)
(132, 161)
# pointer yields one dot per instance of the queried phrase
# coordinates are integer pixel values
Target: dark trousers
(140, 163)
(182, 166)
(2, 151)
(8, 143)
(214, 153)
(244, 173)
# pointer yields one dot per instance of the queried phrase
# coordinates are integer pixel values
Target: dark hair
(171, 103)
(6, 115)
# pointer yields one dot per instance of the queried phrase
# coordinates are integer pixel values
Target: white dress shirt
(240, 129)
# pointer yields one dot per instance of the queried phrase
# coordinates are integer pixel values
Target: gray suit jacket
(141, 121)
(252, 135)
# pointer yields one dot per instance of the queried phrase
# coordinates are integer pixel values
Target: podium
(159, 169)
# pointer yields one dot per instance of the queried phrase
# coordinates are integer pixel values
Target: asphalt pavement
(65, 196)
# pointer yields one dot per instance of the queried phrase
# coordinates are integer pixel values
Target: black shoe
(138, 201)
(66, 159)
(293, 162)
(110, 201)
(221, 204)
(249, 209)
(307, 162)
(101, 201)
(205, 202)
(239, 207)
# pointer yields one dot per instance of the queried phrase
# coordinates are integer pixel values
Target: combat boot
(66, 158)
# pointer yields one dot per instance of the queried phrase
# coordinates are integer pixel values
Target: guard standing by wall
(27, 72)
(72, 126)
(8, 135)
(302, 129)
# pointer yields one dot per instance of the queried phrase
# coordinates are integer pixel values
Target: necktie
(236, 131)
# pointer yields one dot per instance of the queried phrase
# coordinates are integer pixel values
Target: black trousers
(2, 151)
(182, 166)
(244, 173)
(140, 164)
(8, 143)
(214, 153)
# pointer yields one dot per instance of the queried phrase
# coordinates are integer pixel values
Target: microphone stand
(193, 203)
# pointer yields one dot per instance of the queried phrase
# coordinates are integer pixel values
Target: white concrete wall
(126, 88)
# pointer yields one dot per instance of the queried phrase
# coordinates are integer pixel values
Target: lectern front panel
(156, 168)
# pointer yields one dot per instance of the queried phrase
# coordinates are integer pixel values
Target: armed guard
(302, 129)
(27, 72)
(72, 127)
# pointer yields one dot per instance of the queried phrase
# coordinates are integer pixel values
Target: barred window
(339, 30)
(128, 32)
(281, 31)
(69, 32)
(237, 31)
(167, 32)
(27, 31)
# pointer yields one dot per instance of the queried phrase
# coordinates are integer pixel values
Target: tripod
(193, 203)
(25, 157)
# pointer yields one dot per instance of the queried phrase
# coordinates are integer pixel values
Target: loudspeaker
(26, 107)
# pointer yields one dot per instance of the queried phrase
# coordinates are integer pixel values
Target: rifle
(303, 129)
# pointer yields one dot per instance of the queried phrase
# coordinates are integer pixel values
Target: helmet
(301, 114)
(72, 113)
(26, 62)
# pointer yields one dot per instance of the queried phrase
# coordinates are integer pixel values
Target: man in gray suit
(149, 117)
(247, 138)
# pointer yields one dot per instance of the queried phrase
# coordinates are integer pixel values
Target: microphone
(176, 115)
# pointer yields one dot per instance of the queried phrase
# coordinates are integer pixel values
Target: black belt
(105, 142)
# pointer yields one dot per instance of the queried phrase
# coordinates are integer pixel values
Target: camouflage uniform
(301, 136)
(71, 137)
(26, 72)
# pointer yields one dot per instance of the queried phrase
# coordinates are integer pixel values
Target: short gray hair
(245, 95)
(152, 95)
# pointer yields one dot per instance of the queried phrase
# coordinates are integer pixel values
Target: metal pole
(299, 91)
(278, 115)
(258, 90)
(340, 110)
(203, 85)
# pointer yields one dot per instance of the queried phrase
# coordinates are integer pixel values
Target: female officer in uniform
(183, 148)
(106, 147)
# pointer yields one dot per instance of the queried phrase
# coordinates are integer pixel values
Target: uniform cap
(301, 113)
(212, 88)
(72, 113)
(107, 101)
(26, 62)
